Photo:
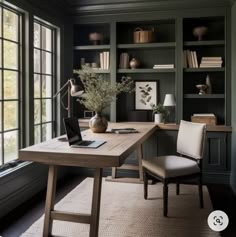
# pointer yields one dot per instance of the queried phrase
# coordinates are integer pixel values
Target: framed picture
(145, 94)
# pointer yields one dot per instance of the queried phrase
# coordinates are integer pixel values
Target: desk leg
(140, 157)
(97, 187)
(49, 206)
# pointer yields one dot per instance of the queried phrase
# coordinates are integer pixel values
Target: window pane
(37, 35)
(46, 110)
(46, 63)
(1, 160)
(10, 55)
(46, 39)
(10, 24)
(37, 60)
(0, 84)
(37, 135)
(10, 115)
(10, 146)
(37, 110)
(0, 117)
(46, 86)
(10, 85)
(0, 52)
(0, 22)
(36, 86)
(47, 131)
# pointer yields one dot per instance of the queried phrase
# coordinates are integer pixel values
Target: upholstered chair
(176, 168)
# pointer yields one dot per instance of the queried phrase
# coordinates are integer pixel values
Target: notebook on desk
(74, 135)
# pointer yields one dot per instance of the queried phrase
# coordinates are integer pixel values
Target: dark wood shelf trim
(92, 47)
(205, 43)
(146, 70)
(219, 69)
(207, 96)
(147, 45)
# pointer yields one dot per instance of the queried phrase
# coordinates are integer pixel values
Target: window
(10, 81)
(44, 60)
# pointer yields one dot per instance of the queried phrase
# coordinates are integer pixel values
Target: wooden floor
(20, 219)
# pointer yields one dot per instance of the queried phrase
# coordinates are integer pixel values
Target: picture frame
(146, 93)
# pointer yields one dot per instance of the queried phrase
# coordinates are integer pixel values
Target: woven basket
(143, 36)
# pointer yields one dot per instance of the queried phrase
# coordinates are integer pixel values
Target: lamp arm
(61, 100)
(61, 89)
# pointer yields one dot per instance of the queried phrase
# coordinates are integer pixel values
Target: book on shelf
(163, 66)
(190, 59)
(211, 62)
(204, 114)
(105, 60)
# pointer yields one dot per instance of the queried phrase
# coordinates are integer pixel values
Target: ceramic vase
(158, 118)
(98, 123)
(134, 63)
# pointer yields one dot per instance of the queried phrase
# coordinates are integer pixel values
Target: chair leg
(165, 198)
(145, 182)
(177, 188)
(200, 192)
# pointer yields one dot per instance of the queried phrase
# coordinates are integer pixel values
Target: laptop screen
(72, 130)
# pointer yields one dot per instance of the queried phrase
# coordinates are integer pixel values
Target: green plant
(100, 92)
(159, 108)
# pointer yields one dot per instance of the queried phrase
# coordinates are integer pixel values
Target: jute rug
(125, 213)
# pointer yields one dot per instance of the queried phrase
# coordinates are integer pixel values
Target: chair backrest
(191, 139)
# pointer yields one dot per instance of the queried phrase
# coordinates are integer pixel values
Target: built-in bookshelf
(204, 58)
(158, 61)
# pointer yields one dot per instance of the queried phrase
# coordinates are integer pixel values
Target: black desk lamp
(73, 90)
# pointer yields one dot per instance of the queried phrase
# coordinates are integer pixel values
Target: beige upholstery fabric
(171, 166)
(190, 139)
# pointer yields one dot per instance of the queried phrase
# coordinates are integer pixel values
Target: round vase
(158, 118)
(134, 63)
(98, 123)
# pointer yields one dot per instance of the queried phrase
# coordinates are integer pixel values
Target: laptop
(74, 135)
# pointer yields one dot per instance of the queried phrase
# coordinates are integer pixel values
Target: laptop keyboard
(85, 143)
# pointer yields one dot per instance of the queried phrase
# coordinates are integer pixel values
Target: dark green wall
(233, 43)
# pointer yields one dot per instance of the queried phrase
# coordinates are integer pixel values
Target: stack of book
(105, 60)
(211, 62)
(163, 66)
(190, 59)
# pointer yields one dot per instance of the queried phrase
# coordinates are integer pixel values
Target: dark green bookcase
(212, 45)
(172, 37)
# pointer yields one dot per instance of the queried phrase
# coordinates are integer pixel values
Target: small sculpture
(202, 89)
(200, 31)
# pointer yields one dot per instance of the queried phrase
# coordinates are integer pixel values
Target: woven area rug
(125, 213)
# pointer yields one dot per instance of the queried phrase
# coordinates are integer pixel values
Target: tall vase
(208, 83)
(98, 123)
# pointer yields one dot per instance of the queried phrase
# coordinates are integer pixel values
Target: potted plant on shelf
(99, 93)
(159, 112)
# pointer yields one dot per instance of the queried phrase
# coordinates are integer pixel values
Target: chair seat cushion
(171, 166)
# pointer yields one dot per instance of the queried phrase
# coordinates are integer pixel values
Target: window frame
(18, 99)
(53, 76)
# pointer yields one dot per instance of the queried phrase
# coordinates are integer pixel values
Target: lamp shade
(75, 90)
(169, 100)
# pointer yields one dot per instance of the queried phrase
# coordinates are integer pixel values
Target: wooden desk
(112, 154)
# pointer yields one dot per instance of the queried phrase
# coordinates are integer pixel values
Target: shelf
(209, 69)
(147, 45)
(146, 70)
(92, 47)
(205, 43)
(206, 96)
